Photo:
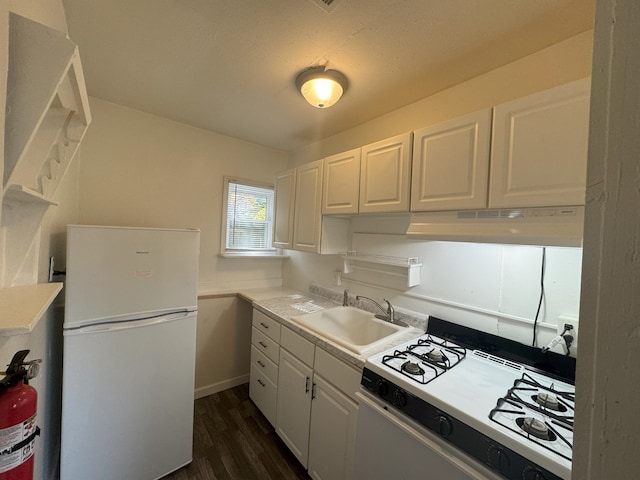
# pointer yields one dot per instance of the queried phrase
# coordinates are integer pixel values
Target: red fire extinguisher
(18, 430)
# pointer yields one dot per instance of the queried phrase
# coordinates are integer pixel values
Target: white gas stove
(510, 417)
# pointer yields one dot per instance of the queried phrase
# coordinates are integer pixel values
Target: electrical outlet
(573, 322)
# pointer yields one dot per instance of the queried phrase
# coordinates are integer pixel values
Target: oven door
(391, 445)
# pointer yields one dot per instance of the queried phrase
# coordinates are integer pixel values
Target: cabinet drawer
(267, 325)
(345, 377)
(265, 344)
(300, 347)
(264, 365)
(264, 394)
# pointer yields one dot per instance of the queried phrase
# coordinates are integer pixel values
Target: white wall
(223, 343)
(490, 287)
(140, 169)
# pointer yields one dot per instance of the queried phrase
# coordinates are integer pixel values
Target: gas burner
(436, 355)
(535, 427)
(412, 368)
(550, 401)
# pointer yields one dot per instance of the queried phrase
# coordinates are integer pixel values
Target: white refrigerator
(129, 352)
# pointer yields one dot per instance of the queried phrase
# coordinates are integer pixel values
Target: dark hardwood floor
(233, 440)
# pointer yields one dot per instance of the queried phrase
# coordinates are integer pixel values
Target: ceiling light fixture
(321, 88)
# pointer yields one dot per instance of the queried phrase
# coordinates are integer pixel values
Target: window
(247, 218)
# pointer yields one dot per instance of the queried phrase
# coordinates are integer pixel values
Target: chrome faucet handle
(390, 310)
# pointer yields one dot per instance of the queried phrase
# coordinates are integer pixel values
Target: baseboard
(220, 386)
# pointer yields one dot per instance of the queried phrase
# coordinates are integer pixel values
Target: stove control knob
(382, 388)
(399, 399)
(531, 473)
(443, 425)
(498, 459)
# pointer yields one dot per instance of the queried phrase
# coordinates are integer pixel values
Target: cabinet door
(333, 433)
(539, 148)
(294, 404)
(450, 166)
(284, 207)
(308, 213)
(384, 175)
(341, 184)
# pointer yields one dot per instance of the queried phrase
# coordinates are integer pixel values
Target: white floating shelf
(22, 307)
(398, 273)
(24, 194)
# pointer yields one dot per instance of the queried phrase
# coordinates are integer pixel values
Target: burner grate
(517, 413)
(434, 356)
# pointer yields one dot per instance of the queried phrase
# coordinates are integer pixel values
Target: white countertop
(280, 308)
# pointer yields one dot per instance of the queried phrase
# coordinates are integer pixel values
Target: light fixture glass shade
(321, 88)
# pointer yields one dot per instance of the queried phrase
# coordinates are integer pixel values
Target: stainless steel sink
(352, 328)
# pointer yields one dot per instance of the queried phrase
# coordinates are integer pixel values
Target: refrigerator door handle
(108, 326)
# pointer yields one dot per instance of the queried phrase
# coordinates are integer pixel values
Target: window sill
(252, 255)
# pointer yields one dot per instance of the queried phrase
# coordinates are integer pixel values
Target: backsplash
(490, 287)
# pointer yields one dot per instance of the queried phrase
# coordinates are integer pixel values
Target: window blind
(249, 217)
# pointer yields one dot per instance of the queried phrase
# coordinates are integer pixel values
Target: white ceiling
(229, 65)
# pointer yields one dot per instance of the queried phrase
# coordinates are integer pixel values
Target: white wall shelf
(22, 307)
(47, 115)
(20, 193)
(398, 273)
(47, 102)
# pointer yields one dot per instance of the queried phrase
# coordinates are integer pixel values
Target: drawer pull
(313, 391)
(261, 383)
(264, 325)
(260, 363)
(306, 385)
(262, 344)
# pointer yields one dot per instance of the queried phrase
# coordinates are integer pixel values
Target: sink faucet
(389, 311)
(345, 298)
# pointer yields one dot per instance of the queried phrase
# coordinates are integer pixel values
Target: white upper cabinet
(285, 189)
(341, 184)
(308, 212)
(450, 166)
(539, 148)
(299, 224)
(385, 175)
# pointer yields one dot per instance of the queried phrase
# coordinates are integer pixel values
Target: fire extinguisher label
(10, 456)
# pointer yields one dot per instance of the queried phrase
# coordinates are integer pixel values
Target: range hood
(549, 226)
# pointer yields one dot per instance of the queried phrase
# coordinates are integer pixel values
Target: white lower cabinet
(333, 432)
(264, 393)
(316, 408)
(294, 404)
(263, 377)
